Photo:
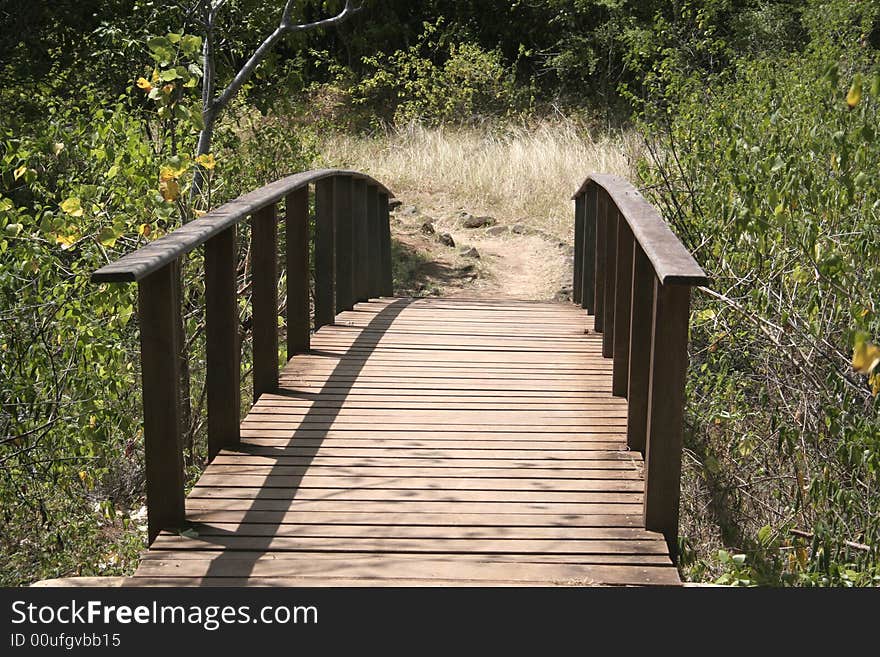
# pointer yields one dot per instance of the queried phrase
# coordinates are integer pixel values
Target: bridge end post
(159, 318)
(666, 388)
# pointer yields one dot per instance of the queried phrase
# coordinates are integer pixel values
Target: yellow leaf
(57, 147)
(874, 381)
(83, 475)
(866, 356)
(167, 89)
(144, 84)
(199, 213)
(72, 206)
(155, 76)
(207, 160)
(66, 241)
(169, 189)
(20, 171)
(170, 172)
(144, 229)
(854, 95)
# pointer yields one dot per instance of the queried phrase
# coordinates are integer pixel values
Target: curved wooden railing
(634, 275)
(352, 263)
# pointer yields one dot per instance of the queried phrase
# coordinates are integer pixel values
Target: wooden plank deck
(427, 442)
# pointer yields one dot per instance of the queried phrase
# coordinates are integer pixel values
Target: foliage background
(759, 119)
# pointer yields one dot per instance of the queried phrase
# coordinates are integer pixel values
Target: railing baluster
(264, 299)
(666, 409)
(222, 350)
(296, 226)
(641, 318)
(344, 245)
(325, 253)
(622, 306)
(361, 240)
(601, 252)
(612, 222)
(577, 282)
(159, 319)
(588, 285)
(375, 239)
(387, 283)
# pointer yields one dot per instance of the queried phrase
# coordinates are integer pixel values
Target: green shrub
(769, 172)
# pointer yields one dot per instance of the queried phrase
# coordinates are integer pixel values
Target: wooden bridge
(416, 441)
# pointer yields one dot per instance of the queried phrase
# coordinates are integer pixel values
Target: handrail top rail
(168, 248)
(672, 262)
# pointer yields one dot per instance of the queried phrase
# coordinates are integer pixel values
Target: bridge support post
(666, 409)
(342, 209)
(612, 224)
(639, 360)
(264, 299)
(159, 318)
(222, 353)
(622, 309)
(601, 255)
(375, 239)
(325, 253)
(361, 245)
(387, 282)
(579, 250)
(588, 270)
(296, 226)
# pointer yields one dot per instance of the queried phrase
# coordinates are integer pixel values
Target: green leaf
(107, 236)
(191, 44)
(168, 75)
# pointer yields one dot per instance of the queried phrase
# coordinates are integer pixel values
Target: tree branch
(284, 27)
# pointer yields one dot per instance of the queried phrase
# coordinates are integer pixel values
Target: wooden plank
(159, 320)
(170, 247)
(302, 518)
(296, 225)
(264, 299)
(372, 569)
(222, 351)
(325, 253)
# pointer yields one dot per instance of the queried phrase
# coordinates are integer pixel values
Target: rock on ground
(446, 238)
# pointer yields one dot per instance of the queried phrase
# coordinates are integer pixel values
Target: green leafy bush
(769, 172)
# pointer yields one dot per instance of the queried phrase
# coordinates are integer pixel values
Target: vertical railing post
(375, 239)
(588, 269)
(641, 318)
(386, 288)
(222, 350)
(600, 268)
(612, 222)
(296, 226)
(264, 299)
(577, 282)
(622, 307)
(342, 207)
(361, 246)
(325, 253)
(668, 365)
(159, 319)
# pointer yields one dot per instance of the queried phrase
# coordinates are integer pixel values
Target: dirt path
(514, 261)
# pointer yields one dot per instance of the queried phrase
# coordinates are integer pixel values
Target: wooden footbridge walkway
(416, 441)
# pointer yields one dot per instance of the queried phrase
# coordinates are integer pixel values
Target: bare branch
(284, 27)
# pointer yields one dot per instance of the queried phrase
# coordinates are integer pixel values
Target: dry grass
(521, 174)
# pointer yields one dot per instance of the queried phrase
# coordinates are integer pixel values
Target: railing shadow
(341, 381)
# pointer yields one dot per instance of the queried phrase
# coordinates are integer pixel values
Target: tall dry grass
(523, 174)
